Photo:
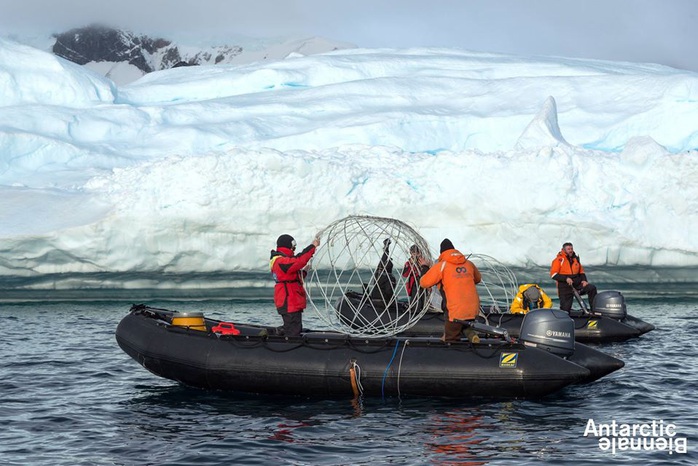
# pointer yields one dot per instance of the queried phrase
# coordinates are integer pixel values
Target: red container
(226, 328)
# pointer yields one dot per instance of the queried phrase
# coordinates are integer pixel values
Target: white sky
(657, 31)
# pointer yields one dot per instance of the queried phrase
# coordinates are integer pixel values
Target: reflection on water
(455, 437)
(71, 396)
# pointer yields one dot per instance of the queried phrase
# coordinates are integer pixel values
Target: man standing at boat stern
(455, 277)
(569, 275)
(289, 294)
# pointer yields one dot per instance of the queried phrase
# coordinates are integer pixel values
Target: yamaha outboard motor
(549, 329)
(610, 304)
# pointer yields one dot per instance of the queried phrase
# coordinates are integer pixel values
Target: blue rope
(385, 374)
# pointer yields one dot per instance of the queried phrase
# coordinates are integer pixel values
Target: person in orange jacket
(569, 275)
(530, 297)
(289, 294)
(455, 277)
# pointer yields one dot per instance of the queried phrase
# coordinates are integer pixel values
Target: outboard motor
(549, 329)
(610, 304)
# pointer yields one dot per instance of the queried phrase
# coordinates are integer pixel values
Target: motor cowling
(610, 304)
(549, 329)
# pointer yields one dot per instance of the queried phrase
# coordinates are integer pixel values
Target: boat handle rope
(481, 352)
(484, 316)
(355, 373)
(399, 366)
(385, 374)
(367, 347)
(583, 321)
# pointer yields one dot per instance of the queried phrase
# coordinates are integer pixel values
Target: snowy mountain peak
(543, 130)
(101, 43)
(124, 56)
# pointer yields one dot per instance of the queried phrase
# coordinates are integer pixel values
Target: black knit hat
(446, 244)
(286, 241)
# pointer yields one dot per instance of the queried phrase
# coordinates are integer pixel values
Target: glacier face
(200, 169)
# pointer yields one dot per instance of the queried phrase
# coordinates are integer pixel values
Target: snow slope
(199, 169)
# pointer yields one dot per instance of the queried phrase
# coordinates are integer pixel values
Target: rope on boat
(355, 373)
(399, 366)
(385, 374)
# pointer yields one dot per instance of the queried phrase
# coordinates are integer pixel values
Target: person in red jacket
(569, 274)
(289, 294)
(455, 277)
(412, 272)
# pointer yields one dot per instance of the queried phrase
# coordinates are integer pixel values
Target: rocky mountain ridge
(96, 46)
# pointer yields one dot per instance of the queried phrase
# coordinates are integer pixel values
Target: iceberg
(199, 169)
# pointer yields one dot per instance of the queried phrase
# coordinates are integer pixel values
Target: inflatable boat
(210, 354)
(607, 322)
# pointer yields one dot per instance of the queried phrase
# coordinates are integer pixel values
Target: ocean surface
(70, 396)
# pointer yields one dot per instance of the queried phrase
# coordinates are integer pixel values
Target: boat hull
(587, 328)
(321, 364)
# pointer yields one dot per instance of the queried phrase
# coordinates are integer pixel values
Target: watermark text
(652, 436)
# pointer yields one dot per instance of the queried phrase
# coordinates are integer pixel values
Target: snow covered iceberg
(199, 169)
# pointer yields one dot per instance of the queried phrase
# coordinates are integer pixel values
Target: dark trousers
(566, 295)
(454, 330)
(418, 299)
(293, 323)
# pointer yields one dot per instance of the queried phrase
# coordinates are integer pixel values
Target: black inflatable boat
(330, 364)
(607, 322)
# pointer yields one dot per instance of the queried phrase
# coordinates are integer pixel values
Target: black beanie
(285, 241)
(446, 244)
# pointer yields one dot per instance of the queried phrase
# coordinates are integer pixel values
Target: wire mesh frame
(498, 281)
(497, 288)
(351, 258)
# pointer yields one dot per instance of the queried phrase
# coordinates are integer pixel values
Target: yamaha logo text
(553, 333)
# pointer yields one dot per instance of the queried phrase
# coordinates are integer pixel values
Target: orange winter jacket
(564, 267)
(456, 278)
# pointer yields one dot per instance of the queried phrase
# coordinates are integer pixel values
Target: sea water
(71, 396)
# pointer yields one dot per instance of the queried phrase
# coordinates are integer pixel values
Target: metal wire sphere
(356, 255)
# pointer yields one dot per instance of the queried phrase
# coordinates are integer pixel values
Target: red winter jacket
(411, 272)
(289, 294)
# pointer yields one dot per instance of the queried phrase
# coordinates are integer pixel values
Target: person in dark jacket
(289, 294)
(569, 274)
(383, 278)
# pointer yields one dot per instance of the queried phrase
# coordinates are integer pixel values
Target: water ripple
(72, 397)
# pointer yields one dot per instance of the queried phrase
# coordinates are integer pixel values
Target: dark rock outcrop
(98, 43)
(101, 43)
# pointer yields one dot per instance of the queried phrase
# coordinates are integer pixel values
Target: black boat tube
(587, 328)
(599, 363)
(319, 364)
(638, 324)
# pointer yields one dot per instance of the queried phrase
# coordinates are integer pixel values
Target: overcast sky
(657, 31)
